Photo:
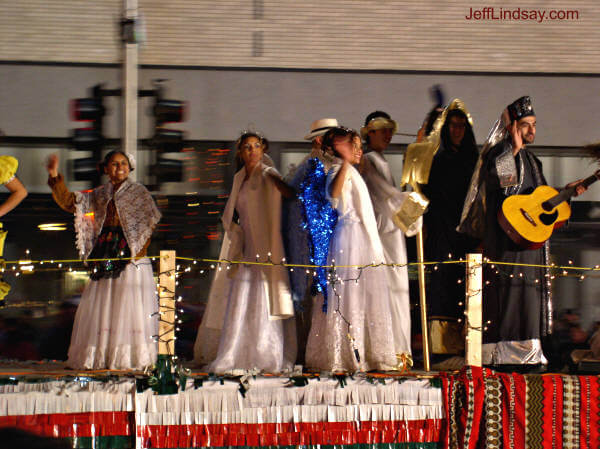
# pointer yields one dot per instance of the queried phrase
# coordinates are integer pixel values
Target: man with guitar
(517, 303)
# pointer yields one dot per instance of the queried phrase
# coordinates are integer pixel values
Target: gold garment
(419, 155)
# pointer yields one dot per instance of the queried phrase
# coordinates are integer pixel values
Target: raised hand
(517, 139)
(52, 165)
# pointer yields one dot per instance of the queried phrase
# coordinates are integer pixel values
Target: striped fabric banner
(549, 411)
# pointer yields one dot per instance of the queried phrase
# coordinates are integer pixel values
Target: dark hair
(338, 131)
(377, 114)
(247, 134)
(374, 115)
(432, 116)
(468, 142)
(238, 144)
(102, 165)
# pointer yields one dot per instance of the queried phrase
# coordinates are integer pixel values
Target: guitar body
(528, 220)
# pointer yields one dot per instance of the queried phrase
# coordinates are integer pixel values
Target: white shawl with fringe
(135, 206)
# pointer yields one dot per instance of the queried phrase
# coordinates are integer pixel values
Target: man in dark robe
(517, 304)
(446, 189)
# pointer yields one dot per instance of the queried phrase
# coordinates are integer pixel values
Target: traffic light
(167, 140)
(167, 170)
(168, 111)
(90, 138)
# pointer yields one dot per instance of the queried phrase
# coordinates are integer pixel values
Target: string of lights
(7, 265)
(205, 264)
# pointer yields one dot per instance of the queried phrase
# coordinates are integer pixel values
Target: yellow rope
(22, 262)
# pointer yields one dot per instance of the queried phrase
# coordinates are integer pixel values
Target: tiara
(250, 129)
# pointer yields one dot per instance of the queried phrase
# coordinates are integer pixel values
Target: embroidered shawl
(137, 211)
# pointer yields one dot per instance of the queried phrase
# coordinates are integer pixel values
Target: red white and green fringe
(389, 413)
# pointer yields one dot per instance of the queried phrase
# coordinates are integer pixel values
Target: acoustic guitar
(529, 220)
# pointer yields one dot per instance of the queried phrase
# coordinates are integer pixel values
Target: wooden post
(166, 294)
(423, 300)
(473, 314)
(130, 86)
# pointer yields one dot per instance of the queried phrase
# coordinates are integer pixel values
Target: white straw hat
(320, 127)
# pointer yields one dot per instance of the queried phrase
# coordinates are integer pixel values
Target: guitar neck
(567, 193)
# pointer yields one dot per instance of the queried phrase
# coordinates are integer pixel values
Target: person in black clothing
(449, 180)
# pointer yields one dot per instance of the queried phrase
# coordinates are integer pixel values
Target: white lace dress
(250, 340)
(364, 305)
(115, 322)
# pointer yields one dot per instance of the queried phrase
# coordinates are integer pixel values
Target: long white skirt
(364, 305)
(113, 325)
(394, 248)
(249, 339)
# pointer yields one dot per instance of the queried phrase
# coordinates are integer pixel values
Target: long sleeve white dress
(387, 200)
(353, 334)
(248, 323)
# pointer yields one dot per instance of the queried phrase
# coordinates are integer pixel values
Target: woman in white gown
(355, 332)
(248, 324)
(116, 321)
(387, 200)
